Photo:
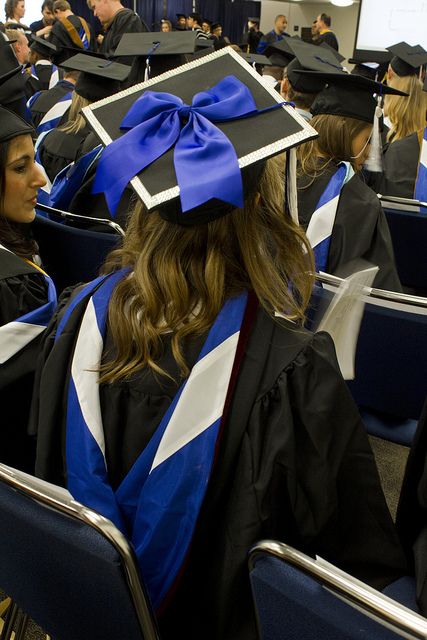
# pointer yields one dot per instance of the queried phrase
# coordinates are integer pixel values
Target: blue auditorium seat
(67, 567)
(296, 598)
(390, 383)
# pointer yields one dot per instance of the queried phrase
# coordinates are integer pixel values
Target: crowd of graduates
(179, 393)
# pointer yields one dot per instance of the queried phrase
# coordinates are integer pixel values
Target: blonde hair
(406, 115)
(182, 276)
(76, 121)
(333, 145)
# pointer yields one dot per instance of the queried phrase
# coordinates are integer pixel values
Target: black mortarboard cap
(12, 125)
(348, 95)
(407, 59)
(166, 50)
(42, 46)
(181, 15)
(311, 58)
(254, 138)
(280, 53)
(158, 44)
(98, 78)
(334, 52)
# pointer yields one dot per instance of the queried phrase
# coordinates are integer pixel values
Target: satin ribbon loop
(159, 121)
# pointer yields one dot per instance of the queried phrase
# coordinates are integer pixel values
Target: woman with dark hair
(180, 394)
(14, 10)
(342, 216)
(27, 295)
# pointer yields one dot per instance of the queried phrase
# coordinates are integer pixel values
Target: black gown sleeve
(19, 295)
(361, 231)
(325, 459)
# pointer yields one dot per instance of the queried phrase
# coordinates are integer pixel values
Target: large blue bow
(205, 161)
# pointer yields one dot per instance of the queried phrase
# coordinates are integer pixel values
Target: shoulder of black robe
(125, 21)
(400, 167)
(94, 205)
(22, 289)
(59, 148)
(60, 37)
(47, 99)
(32, 85)
(360, 229)
(329, 38)
(294, 464)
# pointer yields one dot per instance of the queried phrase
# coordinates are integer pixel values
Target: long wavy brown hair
(407, 115)
(14, 236)
(332, 146)
(75, 121)
(182, 276)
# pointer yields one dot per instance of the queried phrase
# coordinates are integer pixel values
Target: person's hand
(45, 31)
(100, 38)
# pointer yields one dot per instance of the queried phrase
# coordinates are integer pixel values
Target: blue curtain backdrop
(232, 14)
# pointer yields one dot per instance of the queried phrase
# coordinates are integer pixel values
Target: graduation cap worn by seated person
(311, 58)
(157, 52)
(353, 96)
(43, 47)
(280, 53)
(193, 141)
(11, 124)
(407, 60)
(99, 77)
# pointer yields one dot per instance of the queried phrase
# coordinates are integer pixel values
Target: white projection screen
(383, 23)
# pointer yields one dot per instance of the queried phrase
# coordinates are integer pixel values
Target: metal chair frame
(79, 218)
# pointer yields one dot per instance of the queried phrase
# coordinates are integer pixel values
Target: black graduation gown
(60, 37)
(400, 167)
(22, 289)
(360, 229)
(125, 21)
(329, 38)
(294, 464)
(47, 99)
(39, 82)
(59, 148)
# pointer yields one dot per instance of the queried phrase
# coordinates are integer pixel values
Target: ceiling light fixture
(342, 3)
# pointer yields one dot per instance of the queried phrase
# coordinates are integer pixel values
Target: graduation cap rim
(71, 63)
(152, 201)
(186, 42)
(43, 43)
(337, 78)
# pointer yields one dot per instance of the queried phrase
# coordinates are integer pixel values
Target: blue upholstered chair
(408, 230)
(298, 598)
(390, 383)
(70, 254)
(67, 567)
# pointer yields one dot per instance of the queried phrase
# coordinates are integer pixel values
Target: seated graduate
(298, 89)
(98, 79)
(27, 295)
(12, 90)
(402, 116)
(50, 108)
(330, 191)
(42, 73)
(212, 422)
(402, 156)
